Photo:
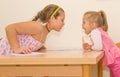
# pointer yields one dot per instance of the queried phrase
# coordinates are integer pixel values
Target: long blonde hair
(45, 14)
(97, 17)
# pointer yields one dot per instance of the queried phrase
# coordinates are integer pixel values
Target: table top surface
(54, 58)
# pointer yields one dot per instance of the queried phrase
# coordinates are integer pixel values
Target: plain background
(12, 11)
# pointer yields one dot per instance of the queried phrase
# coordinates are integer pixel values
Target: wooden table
(52, 63)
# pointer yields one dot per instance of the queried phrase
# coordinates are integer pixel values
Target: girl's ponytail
(105, 24)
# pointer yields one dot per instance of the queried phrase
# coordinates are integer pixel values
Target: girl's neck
(47, 28)
(46, 25)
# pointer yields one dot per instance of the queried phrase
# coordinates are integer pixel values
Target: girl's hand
(23, 50)
(86, 46)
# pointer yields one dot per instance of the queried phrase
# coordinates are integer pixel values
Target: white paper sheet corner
(31, 54)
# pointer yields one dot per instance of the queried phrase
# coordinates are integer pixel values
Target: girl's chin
(58, 30)
(87, 33)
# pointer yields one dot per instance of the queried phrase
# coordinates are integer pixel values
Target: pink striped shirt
(24, 41)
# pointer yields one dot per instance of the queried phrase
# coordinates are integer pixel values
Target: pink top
(110, 49)
(24, 40)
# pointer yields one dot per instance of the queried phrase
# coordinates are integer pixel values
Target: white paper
(64, 49)
(31, 54)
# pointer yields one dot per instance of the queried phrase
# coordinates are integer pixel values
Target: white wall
(70, 37)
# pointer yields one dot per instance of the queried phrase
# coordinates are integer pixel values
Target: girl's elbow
(7, 28)
(99, 48)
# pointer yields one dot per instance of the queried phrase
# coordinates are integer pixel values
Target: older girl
(26, 37)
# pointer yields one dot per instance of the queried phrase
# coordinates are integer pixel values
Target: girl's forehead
(62, 13)
(84, 18)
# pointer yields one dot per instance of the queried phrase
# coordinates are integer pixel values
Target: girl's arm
(96, 39)
(32, 28)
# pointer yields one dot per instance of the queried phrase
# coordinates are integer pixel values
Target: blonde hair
(97, 17)
(45, 14)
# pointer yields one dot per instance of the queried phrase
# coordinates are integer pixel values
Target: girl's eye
(83, 22)
(62, 20)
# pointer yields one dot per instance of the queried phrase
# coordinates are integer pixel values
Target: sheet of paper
(65, 49)
(31, 54)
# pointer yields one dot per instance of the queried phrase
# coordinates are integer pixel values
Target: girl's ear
(52, 19)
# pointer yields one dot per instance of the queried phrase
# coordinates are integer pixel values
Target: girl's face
(58, 23)
(86, 26)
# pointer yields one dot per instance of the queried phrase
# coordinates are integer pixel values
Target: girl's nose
(82, 26)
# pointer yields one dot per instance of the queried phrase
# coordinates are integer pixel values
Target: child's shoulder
(28, 22)
(95, 32)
